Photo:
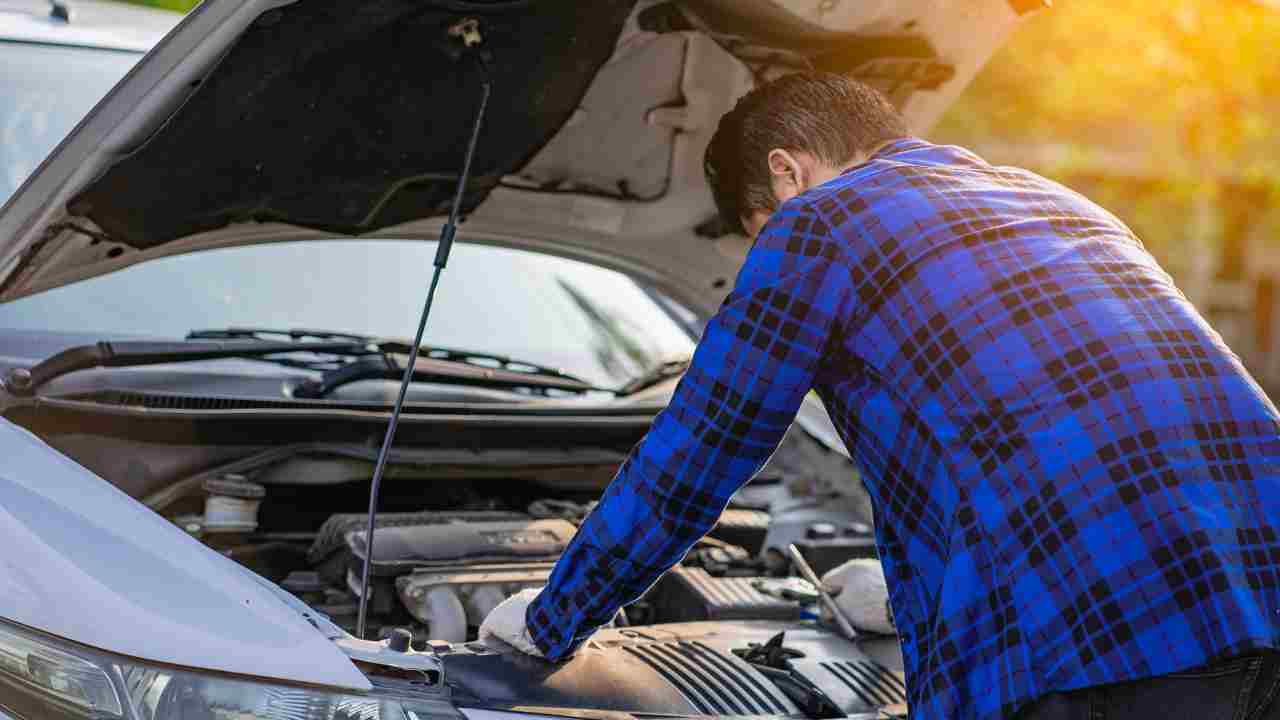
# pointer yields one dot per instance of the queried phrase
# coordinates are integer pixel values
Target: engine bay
(731, 630)
(438, 572)
(473, 515)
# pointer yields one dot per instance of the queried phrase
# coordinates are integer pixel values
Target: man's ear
(785, 168)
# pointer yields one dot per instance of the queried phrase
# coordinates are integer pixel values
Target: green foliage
(1183, 91)
(1188, 83)
(181, 6)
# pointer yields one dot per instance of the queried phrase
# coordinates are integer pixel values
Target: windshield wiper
(497, 370)
(391, 366)
(340, 357)
(654, 375)
(384, 361)
(21, 381)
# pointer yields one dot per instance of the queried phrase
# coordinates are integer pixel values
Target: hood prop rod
(447, 234)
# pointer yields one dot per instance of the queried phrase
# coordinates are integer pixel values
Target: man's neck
(863, 158)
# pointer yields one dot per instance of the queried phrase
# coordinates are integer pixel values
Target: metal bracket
(382, 652)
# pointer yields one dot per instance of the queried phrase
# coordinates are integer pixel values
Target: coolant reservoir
(232, 504)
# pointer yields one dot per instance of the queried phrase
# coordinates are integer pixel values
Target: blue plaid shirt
(1075, 481)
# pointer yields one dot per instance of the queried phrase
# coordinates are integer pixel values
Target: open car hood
(268, 120)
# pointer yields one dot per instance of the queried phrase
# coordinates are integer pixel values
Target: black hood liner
(352, 115)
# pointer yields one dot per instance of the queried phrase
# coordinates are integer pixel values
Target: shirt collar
(897, 146)
(890, 149)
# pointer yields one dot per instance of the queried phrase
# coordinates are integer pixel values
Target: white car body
(83, 560)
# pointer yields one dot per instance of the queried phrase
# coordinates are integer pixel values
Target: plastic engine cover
(684, 668)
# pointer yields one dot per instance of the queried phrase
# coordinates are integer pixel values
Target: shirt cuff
(546, 629)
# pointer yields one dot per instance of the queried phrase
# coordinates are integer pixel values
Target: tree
(1191, 84)
(1183, 90)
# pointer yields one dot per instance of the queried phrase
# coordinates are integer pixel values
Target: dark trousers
(1243, 688)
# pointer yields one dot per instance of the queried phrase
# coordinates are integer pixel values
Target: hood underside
(265, 121)
(351, 116)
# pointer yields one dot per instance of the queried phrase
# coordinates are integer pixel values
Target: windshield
(44, 91)
(591, 322)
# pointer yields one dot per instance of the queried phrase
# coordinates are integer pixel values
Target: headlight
(44, 678)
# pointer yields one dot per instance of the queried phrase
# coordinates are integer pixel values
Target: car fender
(86, 562)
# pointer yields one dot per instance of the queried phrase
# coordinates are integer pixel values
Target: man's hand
(861, 594)
(505, 626)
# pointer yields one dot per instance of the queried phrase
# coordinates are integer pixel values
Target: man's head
(789, 135)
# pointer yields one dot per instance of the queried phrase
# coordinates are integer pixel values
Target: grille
(715, 683)
(873, 683)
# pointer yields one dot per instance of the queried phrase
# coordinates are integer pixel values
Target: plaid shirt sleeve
(754, 365)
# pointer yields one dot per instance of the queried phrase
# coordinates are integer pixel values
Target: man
(1076, 483)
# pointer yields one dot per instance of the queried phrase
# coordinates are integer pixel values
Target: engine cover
(683, 668)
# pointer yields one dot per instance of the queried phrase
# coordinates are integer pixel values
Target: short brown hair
(832, 117)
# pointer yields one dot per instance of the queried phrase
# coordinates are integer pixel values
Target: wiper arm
(138, 353)
(294, 334)
(372, 360)
(656, 374)
(478, 358)
(452, 365)
(390, 366)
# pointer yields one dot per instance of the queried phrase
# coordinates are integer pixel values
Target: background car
(56, 62)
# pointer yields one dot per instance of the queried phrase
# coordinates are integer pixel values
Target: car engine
(730, 630)
(722, 633)
(439, 573)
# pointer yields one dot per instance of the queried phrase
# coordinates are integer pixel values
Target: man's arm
(753, 367)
